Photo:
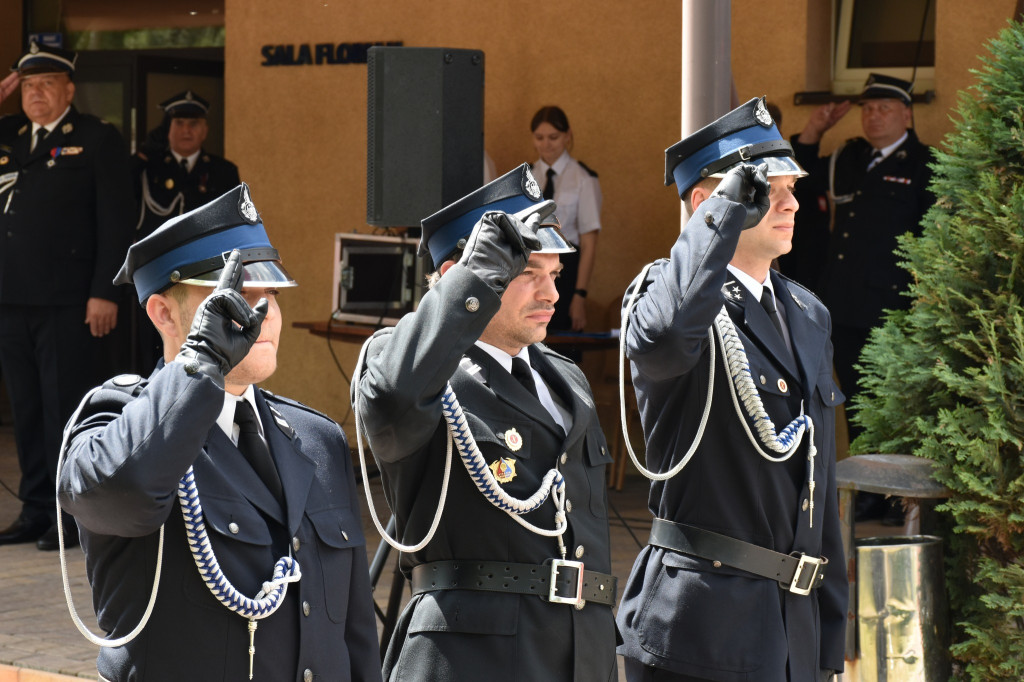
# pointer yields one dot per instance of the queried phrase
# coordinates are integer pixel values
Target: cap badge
(530, 186)
(188, 95)
(762, 115)
(67, 128)
(504, 469)
(513, 440)
(34, 48)
(246, 207)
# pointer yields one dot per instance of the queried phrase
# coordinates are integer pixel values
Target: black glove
(746, 184)
(215, 344)
(499, 247)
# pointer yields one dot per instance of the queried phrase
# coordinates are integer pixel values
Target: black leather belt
(798, 573)
(557, 580)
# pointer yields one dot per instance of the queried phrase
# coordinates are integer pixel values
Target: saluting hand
(747, 184)
(823, 118)
(8, 85)
(499, 247)
(224, 327)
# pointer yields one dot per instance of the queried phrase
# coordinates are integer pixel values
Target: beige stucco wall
(298, 134)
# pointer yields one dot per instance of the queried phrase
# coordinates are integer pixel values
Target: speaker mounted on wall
(425, 142)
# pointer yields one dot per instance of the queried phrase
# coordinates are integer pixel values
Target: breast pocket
(339, 532)
(598, 459)
(829, 391)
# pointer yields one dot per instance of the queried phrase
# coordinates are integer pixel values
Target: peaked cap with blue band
(747, 134)
(514, 192)
(191, 248)
(45, 59)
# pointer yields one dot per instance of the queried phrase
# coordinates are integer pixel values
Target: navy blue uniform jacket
(68, 215)
(452, 635)
(165, 180)
(861, 276)
(128, 449)
(679, 612)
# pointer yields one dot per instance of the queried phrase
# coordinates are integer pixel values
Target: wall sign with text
(319, 53)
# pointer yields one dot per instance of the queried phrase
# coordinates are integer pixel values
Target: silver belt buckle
(806, 560)
(553, 587)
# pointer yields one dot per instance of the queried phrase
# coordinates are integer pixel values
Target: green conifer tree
(945, 379)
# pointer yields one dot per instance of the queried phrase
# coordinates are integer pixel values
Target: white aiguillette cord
(552, 485)
(741, 388)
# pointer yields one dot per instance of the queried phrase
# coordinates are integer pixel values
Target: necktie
(768, 303)
(40, 135)
(524, 375)
(184, 165)
(549, 189)
(255, 449)
(875, 158)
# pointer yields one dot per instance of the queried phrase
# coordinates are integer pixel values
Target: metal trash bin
(902, 614)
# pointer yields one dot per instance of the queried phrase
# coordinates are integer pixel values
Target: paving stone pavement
(37, 633)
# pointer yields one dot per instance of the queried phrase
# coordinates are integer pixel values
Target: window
(883, 36)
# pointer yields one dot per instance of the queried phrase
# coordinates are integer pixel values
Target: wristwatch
(582, 293)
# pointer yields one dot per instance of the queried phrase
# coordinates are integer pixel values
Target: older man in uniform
(175, 177)
(879, 186)
(182, 176)
(743, 577)
(65, 225)
(258, 476)
(483, 606)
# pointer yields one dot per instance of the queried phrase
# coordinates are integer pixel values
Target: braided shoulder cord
(745, 397)
(270, 597)
(476, 467)
(264, 604)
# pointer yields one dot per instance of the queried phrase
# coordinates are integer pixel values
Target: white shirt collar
(886, 151)
(752, 285)
(226, 420)
(541, 167)
(50, 126)
(543, 392)
(191, 158)
(503, 358)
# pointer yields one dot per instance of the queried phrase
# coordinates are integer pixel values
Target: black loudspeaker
(425, 140)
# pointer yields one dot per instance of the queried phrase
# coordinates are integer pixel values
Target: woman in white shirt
(578, 195)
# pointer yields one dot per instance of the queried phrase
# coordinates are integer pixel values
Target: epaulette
(293, 403)
(803, 290)
(131, 384)
(584, 166)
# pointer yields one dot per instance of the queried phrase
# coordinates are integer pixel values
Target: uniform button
(893, 287)
(579, 552)
(716, 564)
(805, 504)
(833, 394)
(307, 675)
(603, 450)
(472, 304)
(845, 235)
(857, 192)
(233, 527)
(10, 234)
(763, 380)
(296, 544)
(568, 505)
(565, 458)
(840, 257)
(852, 214)
(305, 608)
(344, 535)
